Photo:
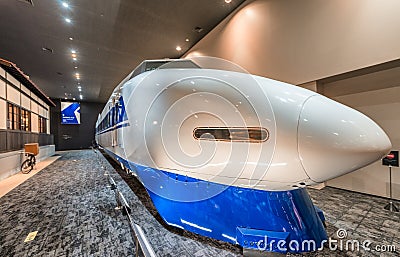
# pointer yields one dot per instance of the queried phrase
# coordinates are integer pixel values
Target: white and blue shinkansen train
(227, 155)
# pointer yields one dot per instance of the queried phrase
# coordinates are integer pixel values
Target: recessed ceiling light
(74, 55)
(65, 4)
(79, 83)
(80, 96)
(65, 98)
(187, 39)
(67, 20)
(71, 38)
(76, 67)
(46, 49)
(79, 89)
(77, 74)
(74, 59)
(73, 51)
(178, 48)
(73, 99)
(228, 1)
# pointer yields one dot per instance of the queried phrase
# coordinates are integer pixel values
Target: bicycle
(29, 163)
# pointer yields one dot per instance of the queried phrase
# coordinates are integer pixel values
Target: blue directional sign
(70, 113)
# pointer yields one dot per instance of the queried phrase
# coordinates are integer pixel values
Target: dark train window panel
(232, 134)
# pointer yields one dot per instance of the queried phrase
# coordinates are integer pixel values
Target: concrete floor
(70, 206)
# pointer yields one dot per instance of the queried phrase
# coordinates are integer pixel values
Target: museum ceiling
(72, 48)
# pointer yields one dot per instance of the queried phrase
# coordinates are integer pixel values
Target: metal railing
(143, 246)
(12, 140)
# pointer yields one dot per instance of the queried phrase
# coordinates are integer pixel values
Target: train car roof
(149, 65)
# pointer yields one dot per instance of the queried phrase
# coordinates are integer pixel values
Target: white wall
(383, 106)
(302, 41)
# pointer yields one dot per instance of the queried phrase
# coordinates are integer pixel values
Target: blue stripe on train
(236, 215)
(116, 115)
(111, 129)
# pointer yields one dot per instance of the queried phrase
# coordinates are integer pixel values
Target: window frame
(14, 117)
(42, 123)
(229, 130)
(26, 122)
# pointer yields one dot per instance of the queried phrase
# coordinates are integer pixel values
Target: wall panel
(35, 123)
(42, 111)
(25, 102)
(2, 72)
(13, 80)
(2, 89)
(47, 112)
(3, 114)
(26, 90)
(34, 107)
(13, 95)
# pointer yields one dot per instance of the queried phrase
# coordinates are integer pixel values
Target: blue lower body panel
(252, 218)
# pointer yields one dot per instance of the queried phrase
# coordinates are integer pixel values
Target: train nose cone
(334, 139)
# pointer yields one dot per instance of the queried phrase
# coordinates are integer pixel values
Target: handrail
(145, 246)
(124, 204)
(142, 244)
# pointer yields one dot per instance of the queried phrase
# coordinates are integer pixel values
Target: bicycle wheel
(26, 166)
